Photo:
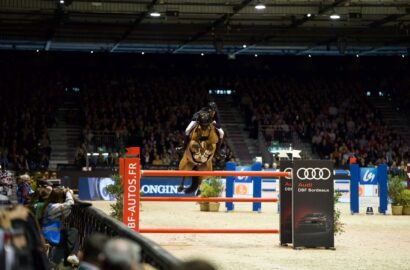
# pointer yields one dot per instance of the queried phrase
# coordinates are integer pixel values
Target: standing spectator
(57, 208)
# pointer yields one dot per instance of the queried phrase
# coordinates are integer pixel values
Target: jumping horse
(200, 151)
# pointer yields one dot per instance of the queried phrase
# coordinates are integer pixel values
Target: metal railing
(88, 220)
(109, 140)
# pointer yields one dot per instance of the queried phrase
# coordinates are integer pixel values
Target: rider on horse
(211, 110)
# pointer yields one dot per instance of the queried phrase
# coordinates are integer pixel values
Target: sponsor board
(163, 187)
(94, 188)
(129, 170)
(285, 195)
(368, 176)
(312, 207)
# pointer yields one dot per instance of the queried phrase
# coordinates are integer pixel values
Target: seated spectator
(46, 175)
(55, 210)
(24, 190)
(91, 255)
(53, 175)
(121, 254)
(157, 160)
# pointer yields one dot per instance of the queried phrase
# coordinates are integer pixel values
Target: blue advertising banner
(163, 186)
(243, 179)
(368, 176)
(94, 188)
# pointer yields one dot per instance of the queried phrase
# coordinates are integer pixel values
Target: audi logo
(313, 173)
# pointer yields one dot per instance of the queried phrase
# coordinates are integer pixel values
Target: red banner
(130, 173)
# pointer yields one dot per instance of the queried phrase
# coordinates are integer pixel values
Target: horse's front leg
(181, 185)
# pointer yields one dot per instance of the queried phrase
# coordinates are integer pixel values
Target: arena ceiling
(301, 27)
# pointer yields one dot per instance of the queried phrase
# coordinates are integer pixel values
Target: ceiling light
(142, 53)
(244, 46)
(308, 15)
(37, 50)
(61, 1)
(260, 6)
(202, 54)
(402, 55)
(155, 14)
(334, 16)
(357, 55)
(92, 52)
(256, 55)
(310, 55)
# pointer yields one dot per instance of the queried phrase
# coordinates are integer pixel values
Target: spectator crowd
(126, 110)
(29, 102)
(335, 115)
(150, 103)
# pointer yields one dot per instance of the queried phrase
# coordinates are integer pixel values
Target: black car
(313, 223)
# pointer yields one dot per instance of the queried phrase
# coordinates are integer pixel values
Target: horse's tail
(194, 184)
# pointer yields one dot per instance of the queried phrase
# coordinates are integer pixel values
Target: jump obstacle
(130, 170)
(131, 173)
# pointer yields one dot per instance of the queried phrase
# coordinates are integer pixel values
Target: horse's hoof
(198, 192)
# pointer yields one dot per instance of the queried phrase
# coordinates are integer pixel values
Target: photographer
(56, 208)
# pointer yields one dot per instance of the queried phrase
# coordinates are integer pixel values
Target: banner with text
(312, 208)
(129, 170)
(285, 196)
(163, 186)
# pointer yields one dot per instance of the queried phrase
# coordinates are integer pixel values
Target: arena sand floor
(369, 242)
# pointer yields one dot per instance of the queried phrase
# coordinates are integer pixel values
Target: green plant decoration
(116, 190)
(212, 187)
(338, 226)
(395, 189)
(405, 197)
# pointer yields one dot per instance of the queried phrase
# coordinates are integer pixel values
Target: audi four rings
(313, 173)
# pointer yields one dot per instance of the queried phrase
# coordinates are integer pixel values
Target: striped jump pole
(130, 172)
(199, 199)
(187, 230)
(163, 173)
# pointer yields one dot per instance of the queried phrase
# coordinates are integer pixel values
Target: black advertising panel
(285, 195)
(312, 212)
